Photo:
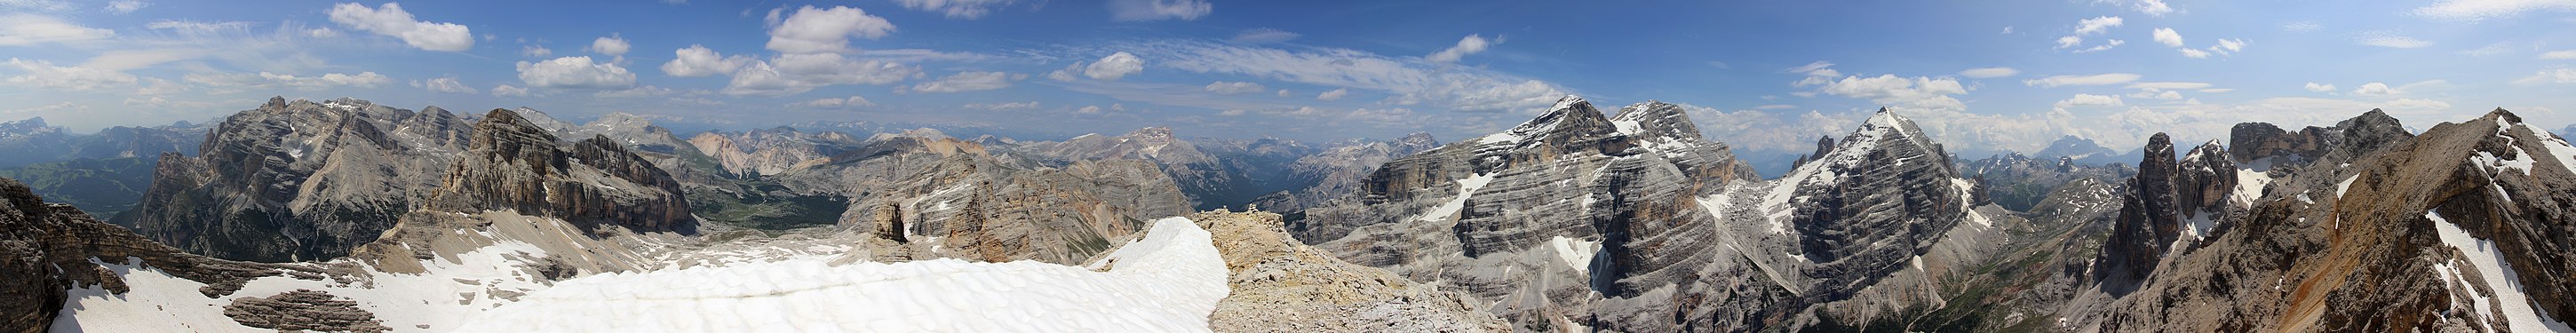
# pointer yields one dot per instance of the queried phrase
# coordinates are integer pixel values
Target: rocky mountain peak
(1418, 139)
(513, 164)
(1573, 118)
(31, 122)
(1656, 119)
(2205, 180)
(1151, 133)
(2076, 147)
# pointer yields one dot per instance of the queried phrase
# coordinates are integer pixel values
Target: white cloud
(812, 30)
(2106, 45)
(2477, 10)
(42, 74)
(2153, 7)
(2316, 87)
(2390, 40)
(2090, 100)
(267, 80)
(1088, 110)
(507, 90)
(2081, 80)
(2559, 55)
(1231, 88)
(2169, 85)
(575, 73)
(1262, 36)
(834, 103)
(1471, 45)
(956, 9)
(968, 81)
(2153, 93)
(1114, 66)
(2089, 27)
(29, 29)
(391, 20)
(321, 33)
(697, 60)
(2301, 26)
(2194, 53)
(612, 45)
(1910, 93)
(1156, 10)
(1334, 95)
(1283, 93)
(450, 85)
(2375, 88)
(2559, 74)
(2228, 46)
(122, 7)
(2169, 37)
(533, 51)
(797, 73)
(1989, 72)
(1002, 106)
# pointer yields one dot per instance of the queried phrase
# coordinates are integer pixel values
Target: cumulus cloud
(575, 73)
(797, 73)
(2153, 93)
(2477, 10)
(22, 29)
(968, 81)
(2390, 40)
(533, 51)
(2168, 37)
(1334, 95)
(449, 85)
(1262, 36)
(2152, 7)
(2089, 100)
(612, 45)
(825, 30)
(2317, 87)
(956, 9)
(697, 60)
(2089, 27)
(1109, 68)
(2169, 85)
(390, 20)
(1157, 10)
(2558, 55)
(2375, 88)
(42, 74)
(1471, 45)
(834, 103)
(2559, 74)
(2081, 80)
(1989, 72)
(507, 90)
(1889, 89)
(1231, 88)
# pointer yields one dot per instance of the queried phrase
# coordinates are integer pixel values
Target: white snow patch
(1168, 282)
(1576, 253)
(2499, 276)
(2565, 153)
(1466, 187)
(2345, 185)
(2249, 186)
(1627, 127)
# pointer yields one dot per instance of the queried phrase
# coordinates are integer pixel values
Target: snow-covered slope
(1168, 282)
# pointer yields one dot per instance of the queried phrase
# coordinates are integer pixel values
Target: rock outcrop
(971, 202)
(513, 164)
(1282, 285)
(47, 249)
(299, 180)
(1337, 170)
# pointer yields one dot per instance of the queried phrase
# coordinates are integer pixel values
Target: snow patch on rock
(2498, 276)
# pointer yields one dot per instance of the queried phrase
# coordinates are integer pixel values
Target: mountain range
(345, 215)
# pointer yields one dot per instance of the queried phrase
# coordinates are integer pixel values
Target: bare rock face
(513, 164)
(771, 151)
(1338, 170)
(1544, 222)
(2370, 131)
(972, 202)
(303, 310)
(47, 249)
(2147, 223)
(1282, 285)
(2020, 182)
(2463, 228)
(299, 180)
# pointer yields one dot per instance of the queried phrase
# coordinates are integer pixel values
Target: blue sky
(1763, 75)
